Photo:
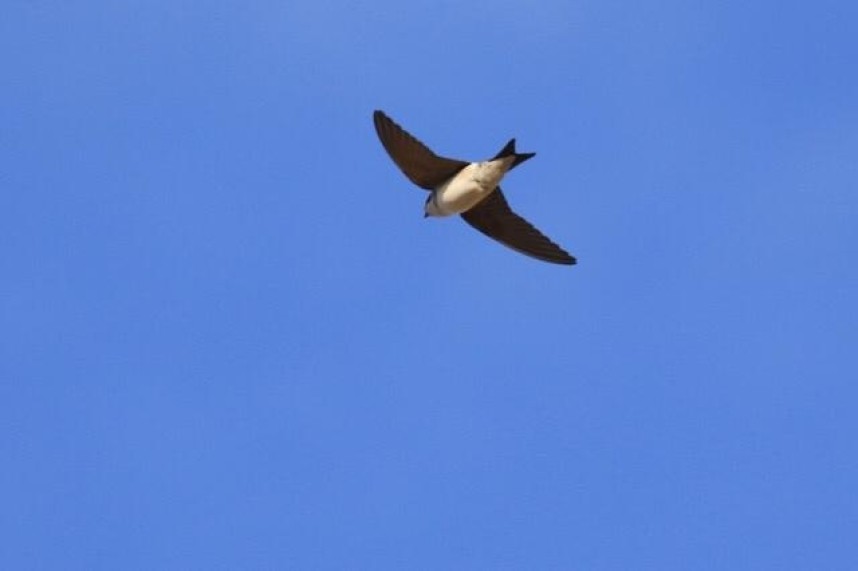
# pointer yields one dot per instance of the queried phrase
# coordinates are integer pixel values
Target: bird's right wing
(494, 218)
(423, 167)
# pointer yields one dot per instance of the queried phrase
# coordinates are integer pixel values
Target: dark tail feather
(509, 149)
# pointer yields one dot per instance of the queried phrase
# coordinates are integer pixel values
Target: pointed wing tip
(378, 117)
(567, 258)
(559, 257)
(381, 119)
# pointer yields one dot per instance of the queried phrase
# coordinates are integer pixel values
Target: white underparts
(469, 187)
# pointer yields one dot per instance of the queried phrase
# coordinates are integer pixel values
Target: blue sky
(230, 340)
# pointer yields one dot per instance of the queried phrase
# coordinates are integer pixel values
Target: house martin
(469, 189)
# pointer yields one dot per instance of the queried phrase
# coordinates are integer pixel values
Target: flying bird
(469, 189)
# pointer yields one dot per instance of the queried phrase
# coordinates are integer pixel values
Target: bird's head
(429, 207)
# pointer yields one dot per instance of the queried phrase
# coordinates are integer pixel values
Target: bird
(469, 189)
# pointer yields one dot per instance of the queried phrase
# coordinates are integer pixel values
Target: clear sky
(229, 340)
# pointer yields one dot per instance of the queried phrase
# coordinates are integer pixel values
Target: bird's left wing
(423, 167)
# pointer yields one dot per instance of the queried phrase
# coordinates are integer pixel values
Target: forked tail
(509, 149)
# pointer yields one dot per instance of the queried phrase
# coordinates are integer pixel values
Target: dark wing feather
(494, 218)
(423, 167)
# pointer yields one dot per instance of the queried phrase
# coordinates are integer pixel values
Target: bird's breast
(469, 187)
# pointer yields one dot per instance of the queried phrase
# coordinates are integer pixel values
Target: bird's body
(467, 188)
(470, 189)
